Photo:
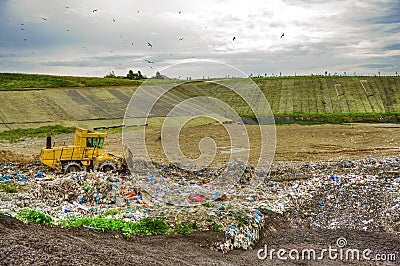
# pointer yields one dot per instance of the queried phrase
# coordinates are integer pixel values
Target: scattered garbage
(361, 195)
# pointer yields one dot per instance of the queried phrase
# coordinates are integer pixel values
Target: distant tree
(379, 73)
(397, 73)
(326, 72)
(158, 75)
(110, 75)
(130, 74)
(344, 73)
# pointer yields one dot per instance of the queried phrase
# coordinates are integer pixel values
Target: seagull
(94, 10)
(67, 7)
(114, 19)
(181, 39)
(44, 19)
(148, 61)
(234, 38)
(150, 45)
(22, 24)
(283, 34)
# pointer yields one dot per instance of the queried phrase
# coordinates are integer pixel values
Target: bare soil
(32, 244)
(293, 142)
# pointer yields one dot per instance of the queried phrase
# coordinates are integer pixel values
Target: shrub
(33, 216)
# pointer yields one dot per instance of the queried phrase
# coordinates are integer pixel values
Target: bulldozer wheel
(107, 166)
(72, 167)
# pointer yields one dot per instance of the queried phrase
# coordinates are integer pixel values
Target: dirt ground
(31, 244)
(22, 244)
(294, 142)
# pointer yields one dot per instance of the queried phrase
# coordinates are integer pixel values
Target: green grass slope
(312, 99)
(19, 81)
(332, 94)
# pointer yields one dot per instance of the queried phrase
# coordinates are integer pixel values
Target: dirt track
(41, 245)
(294, 142)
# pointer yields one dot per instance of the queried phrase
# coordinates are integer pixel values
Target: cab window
(91, 142)
(101, 142)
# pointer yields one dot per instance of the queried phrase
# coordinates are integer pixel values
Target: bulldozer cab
(85, 138)
(91, 142)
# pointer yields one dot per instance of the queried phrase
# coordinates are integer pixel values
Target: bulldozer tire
(72, 167)
(107, 166)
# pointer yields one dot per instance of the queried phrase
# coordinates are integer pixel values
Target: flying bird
(234, 38)
(114, 19)
(22, 24)
(44, 19)
(150, 45)
(67, 7)
(94, 10)
(148, 61)
(25, 40)
(22, 29)
(180, 12)
(283, 34)
(181, 39)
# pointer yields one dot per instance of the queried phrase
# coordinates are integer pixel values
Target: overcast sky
(92, 38)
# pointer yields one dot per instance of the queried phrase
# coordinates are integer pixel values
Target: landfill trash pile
(361, 195)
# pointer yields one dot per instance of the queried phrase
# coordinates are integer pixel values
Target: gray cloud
(333, 35)
(378, 65)
(389, 14)
(393, 46)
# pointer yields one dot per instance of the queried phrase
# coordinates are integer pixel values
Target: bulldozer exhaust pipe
(48, 142)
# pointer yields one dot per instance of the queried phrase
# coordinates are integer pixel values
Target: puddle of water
(229, 149)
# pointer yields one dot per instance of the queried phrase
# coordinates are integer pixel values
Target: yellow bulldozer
(85, 154)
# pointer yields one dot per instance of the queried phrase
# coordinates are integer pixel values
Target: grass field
(294, 99)
(17, 134)
(19, 81)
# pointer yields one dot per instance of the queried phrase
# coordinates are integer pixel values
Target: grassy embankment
(19, 81)
(315, 99)
(305, 100)
(18, 134)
